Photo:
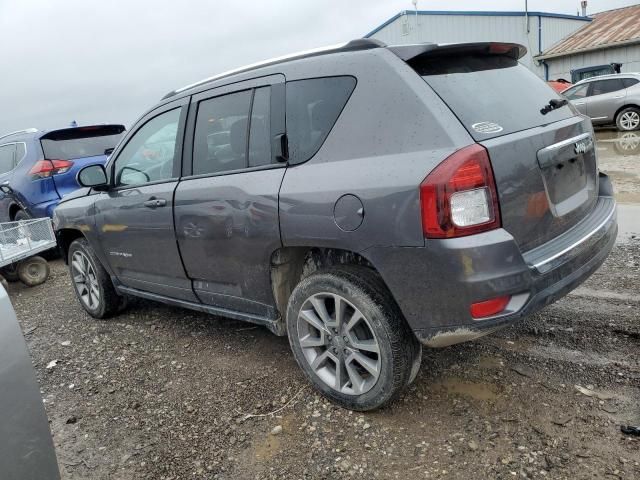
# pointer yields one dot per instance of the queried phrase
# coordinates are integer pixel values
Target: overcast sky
(99, 61)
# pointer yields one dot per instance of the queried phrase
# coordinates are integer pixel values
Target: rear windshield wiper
(554, 104)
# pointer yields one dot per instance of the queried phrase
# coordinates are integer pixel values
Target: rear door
(226, 206)
(605, 98)
(7, 163)
(544, 162)
(135, 217)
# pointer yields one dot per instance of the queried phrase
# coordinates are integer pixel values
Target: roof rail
(26, 130)
(353, 45)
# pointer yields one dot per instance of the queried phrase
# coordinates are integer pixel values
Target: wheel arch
(289, 265)
(14, 208)
(65, 237)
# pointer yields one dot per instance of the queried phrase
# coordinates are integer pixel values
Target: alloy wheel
(339, 343)
(85, 280)
(630, 120)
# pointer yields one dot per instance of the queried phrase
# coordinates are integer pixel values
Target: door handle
(155, 202)
(580, 103)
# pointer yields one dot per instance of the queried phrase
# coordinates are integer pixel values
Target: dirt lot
(164, 393)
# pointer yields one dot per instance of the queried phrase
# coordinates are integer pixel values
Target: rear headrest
(238, 136)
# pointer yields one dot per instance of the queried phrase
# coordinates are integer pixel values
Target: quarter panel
(393, 131)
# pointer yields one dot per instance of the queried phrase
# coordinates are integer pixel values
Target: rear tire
(33, 271)
(91, 282)
(21, 215)
(361, 367)
(628, 119)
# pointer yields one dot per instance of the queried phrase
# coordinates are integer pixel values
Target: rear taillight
(459, 196)
(47, 168)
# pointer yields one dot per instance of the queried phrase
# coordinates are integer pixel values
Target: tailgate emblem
(583, 146)
(487, 127)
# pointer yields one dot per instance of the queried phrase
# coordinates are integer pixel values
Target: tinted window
(150, 154)
(7, 156)
(600, 87)
(492, 95)
(21, 151)
(576, 93)
(313, 106)
(220, 142)
(80, 142)
(629, 82)
(259, 134)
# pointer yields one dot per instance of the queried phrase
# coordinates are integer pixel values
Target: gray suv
(609, 100)
(364, 200)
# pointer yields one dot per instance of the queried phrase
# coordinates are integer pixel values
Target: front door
(226, 207)
(135, 217)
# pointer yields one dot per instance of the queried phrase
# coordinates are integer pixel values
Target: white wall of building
(629, 56)
(442, 28)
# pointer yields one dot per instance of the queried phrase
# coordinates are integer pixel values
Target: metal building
(537, 31)
(612, 37)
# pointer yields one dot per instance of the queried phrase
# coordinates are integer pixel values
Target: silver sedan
(609, 100)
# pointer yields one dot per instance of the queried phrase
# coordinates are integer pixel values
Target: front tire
(350, 338)
(91, 282)
(628, 119)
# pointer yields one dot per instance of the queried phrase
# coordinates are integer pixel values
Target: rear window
(629, 82)
(491, 95)
(80, 142)
(313, 106)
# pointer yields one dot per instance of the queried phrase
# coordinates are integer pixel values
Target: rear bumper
(435, 285)
(44, 209)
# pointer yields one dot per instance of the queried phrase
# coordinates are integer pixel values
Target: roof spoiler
(83, 132)
(409, 52)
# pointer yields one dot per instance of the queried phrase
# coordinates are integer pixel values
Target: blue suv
(37, 168)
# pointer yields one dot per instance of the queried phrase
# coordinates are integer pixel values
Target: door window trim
(183, 104)
(277, 96)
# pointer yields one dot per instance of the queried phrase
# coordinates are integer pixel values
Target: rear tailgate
(544, 163)
(79, 146)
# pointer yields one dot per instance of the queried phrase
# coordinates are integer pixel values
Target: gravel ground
(165, 393)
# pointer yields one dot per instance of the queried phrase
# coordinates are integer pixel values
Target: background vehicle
(26, 447)
(609, 100)
(559, 85)
(37, 168)
(393, 197)
(594, 71)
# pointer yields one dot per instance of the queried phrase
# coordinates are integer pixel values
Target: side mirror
(94, 176)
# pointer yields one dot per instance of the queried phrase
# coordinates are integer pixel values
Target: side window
(313, 106)
(601, 87)
(21, 151)
(260, 128)
(220, 139)
(629, 82)
(577, 93)
(150, 154)
(7, 158)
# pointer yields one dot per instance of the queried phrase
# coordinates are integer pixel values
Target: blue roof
(478, 14)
